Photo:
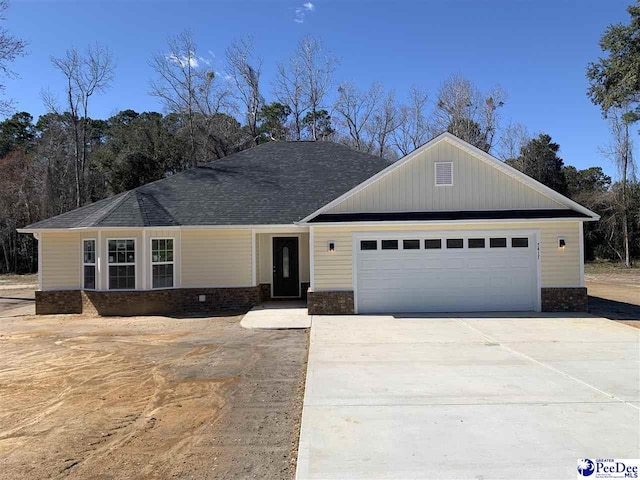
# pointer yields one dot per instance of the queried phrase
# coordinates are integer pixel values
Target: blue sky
(535, 50)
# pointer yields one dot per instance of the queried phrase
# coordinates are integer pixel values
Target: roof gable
(480, 183)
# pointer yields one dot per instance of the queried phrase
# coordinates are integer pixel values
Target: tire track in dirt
(147, 397)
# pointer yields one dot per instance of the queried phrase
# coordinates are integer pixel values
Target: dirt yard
(614, 292)
(17, 295)
(148, 397)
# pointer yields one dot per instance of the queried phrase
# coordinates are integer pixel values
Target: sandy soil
(148, 397)
(12, 280)
(614, 292)
(612, 271)
(17, 301)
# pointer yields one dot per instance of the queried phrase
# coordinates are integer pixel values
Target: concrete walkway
(497, 398)
(275, 315)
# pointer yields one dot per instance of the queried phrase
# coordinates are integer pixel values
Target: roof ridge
(141, 198)
(110, 208)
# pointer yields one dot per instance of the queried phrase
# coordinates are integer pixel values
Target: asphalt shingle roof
(274, 183)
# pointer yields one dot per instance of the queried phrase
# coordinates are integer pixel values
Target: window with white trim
(89, 264)
(444, 173)
(162, 262)
(122, 264)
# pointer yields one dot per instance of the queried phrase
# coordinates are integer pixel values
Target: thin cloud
(223, 75)
(184, 61)
(306, 7)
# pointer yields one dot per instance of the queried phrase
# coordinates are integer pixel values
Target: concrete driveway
(481, 398)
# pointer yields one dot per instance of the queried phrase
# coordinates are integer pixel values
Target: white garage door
(446, 273)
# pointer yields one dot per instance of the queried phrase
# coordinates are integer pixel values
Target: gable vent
(444, 173)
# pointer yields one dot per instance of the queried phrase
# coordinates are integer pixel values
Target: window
(520, 242)
(368, 245)
(389, 244)
(89, 264)
(433, 244)
(498, 243)
(285, 262)
(476, 243)
(411, 244)
(455, 243)
(122, 264)
(161, 262)
(444, 173)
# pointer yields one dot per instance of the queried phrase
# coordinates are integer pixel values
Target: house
(446, 228)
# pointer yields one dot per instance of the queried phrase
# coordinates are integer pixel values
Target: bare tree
(386, 121)
(468, 113)
(10, 49)
(414, 128)
(513, 138)
(620, 152)
(491, 102)
(317, 67)
(288, 90)
(246, 79)
(54, 143)
(356, 110)
(188, 89)
(85, 74)
(176, 83)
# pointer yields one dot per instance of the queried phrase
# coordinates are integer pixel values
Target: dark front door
(286, 282)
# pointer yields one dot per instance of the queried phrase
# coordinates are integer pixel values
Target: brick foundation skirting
(153, 302)
(59, 301)
(265, 291)
(330, 303)
(572, 299)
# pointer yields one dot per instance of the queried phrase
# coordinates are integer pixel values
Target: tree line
(67, 158)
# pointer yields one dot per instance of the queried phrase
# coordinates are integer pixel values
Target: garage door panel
(447, 280)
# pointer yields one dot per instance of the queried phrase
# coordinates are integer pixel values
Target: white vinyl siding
(304, 258)
(332, 270)
(476, 186)
(559, 267)
(259, 254)
(61, 261)
(265, 274)
(216, 258)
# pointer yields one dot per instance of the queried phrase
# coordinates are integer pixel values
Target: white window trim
(152, 263)
(435, 174)
(135, 264)
(94, 264)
